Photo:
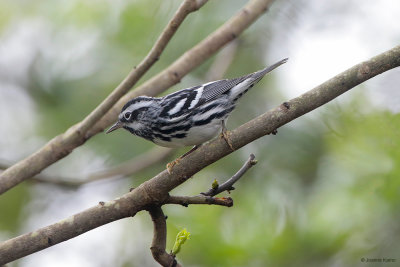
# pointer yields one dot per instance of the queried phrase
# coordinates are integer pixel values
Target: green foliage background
(324, 193)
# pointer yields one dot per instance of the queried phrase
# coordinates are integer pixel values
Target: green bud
(181, 238)
(215, 184)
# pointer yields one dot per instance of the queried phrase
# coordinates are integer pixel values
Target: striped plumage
(187, 117)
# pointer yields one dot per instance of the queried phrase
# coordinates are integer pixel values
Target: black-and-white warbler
(188, 117)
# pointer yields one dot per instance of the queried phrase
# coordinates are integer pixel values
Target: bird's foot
(225, 136)
(172, 164)
(175, 162)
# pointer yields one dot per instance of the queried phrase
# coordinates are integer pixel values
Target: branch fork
(158, 245)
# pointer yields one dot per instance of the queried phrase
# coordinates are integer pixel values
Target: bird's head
(132, 114)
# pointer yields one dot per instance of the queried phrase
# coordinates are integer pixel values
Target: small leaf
(181, 238)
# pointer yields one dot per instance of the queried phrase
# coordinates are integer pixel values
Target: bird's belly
(195, 136)
(201, 134)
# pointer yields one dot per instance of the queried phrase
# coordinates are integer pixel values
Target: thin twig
(158, 245)
(200, 199)
(134, 165)
(127, 168)
(63, 144)
(228, 185)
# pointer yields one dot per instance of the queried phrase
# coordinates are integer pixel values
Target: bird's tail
(246, 82)
(258, 75)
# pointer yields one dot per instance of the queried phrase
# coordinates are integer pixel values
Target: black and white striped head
(132, 114)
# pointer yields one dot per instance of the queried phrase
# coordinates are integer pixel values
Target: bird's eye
(127, 115)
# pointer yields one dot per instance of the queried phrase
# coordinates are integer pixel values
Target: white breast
(195, 136)
(203, 133)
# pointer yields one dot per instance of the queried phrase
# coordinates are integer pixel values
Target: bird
(188, 117)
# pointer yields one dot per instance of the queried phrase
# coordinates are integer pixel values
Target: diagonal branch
(155, 191)
(63, 144)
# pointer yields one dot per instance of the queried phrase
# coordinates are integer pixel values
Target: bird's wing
(178, 103)
(213, 90)
(175, 105)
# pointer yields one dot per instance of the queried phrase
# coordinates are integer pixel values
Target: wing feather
(176, 104)
(215, 89)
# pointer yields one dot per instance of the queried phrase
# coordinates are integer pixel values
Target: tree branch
(63, 144)
(155, 191)
(158, 244)
(228, 185)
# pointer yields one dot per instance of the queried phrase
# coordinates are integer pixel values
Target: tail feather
(250, 80)
(258, 75)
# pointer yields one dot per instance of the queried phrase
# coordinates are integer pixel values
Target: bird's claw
(172, 164)
(225, 136)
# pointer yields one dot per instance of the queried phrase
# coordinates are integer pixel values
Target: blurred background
(325, 191)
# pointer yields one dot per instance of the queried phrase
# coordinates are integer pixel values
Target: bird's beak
(116, 126)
